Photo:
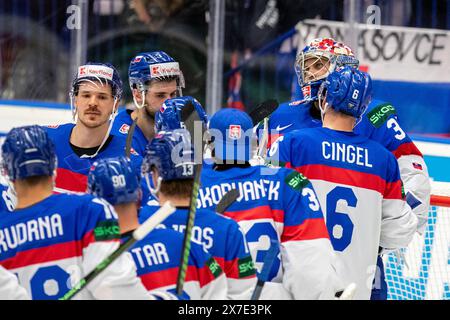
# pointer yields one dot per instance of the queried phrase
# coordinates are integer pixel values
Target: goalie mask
(317, 60)
(153, 66)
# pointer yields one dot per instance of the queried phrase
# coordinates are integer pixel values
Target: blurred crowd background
(43, 41)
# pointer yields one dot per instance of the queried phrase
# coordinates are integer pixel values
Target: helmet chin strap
(324, 109)
(140, 106)
(113, 115)
(153, 190)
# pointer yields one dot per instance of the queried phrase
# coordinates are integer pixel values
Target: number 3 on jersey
(339, 224)
(258, 238)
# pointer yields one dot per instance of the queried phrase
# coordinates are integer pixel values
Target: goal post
(422, 270)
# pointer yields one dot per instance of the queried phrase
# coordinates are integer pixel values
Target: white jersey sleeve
(398, 222)
(10, 288)
(416, 181)
(119, 281)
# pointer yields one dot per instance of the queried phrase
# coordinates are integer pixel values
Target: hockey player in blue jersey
(95, 95)
(168, 117)
(154, 77)
(157, 256)
(274, 204)
(219, 235)
(379, 122)
(52, 240)
(346, 167)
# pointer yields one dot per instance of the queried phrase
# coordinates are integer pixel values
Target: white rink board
(15, 116)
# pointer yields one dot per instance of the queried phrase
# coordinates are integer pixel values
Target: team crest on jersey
(124, 128)
(296, 180)
(234, 132)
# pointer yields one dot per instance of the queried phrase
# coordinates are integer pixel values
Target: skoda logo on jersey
(234, 132)
(124, 128)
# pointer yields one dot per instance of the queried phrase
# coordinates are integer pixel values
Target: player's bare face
(94, 104)
(315, 68)
(158, 93)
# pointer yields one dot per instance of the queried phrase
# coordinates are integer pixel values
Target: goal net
(422, 270)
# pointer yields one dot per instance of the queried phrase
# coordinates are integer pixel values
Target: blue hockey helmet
(157, 65)
(347, 90)
(172, 154)
(115, 180)
(98, 72)
(168, 117)
(28, 151)
(330, 54)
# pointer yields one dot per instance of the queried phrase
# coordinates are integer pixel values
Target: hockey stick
(130, 138)
(159, 216)
(190, 117)
(227, 200)
(267, 267)
(260, 116)
(263, 110)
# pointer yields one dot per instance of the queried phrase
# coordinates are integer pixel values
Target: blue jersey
(379, 123)
(359, 188)
(121, 126)
(50, 244)
(222, 237)
(72, 171)
(279, 205)
(157, 258)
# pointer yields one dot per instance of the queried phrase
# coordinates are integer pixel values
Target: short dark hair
(34, 180)
(177, 188)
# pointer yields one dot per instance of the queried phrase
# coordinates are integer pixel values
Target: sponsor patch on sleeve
(246, 267)
(380, 114)
(107, 230)
(215, 268)
(296, 180)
